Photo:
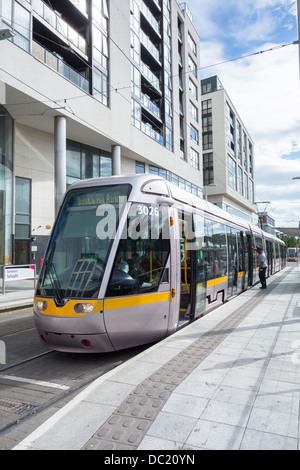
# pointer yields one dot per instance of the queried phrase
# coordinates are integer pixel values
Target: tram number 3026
(147, 210)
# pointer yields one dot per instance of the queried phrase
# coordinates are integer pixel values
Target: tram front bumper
(61, 330)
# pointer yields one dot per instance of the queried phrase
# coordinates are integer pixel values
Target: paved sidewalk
(230, 380)
(18, 294)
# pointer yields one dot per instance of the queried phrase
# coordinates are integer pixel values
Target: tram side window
(208, 250)
(241, 251)
(214, 249)
(220, 251)
(258, 244)
(143, 252)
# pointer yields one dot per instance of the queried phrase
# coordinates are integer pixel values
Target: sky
(263, 87)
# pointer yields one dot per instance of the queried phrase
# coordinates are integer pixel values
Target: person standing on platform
(262, 259)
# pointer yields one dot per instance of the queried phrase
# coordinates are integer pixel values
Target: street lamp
(6, 34)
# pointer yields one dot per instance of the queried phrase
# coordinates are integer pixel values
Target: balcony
(148, 130)
(151, 78)
(150, 47)
(150, 18)
(53, 19)
(57, 64)
(149, 105)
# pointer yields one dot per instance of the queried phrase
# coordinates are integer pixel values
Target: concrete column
(60, 159)
(116, 160)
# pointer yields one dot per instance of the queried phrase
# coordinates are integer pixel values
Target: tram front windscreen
(81, 241)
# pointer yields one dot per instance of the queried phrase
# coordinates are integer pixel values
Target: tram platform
(229, 381)
(18, 295)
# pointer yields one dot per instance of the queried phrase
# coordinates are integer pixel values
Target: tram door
(185, 229)
(249, 252)
(232, 262)
(270, 257)
(192, 278)
(244, 259)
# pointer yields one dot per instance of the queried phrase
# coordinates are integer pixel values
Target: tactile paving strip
(127, 426)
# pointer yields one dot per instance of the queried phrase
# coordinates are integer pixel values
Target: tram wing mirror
(164, 201)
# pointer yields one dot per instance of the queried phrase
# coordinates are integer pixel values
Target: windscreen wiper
(50, 270)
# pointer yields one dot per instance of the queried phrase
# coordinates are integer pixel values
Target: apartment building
(228, 153)
(91, 88)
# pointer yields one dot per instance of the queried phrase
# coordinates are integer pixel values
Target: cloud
(263, 87)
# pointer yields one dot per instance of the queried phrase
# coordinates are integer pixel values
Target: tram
(292, 254)
(131, 259)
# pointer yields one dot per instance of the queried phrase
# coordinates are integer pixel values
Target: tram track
(11, 366)
(30, 410)
(45, 381)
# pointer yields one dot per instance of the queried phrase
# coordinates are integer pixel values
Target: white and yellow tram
(131, 259)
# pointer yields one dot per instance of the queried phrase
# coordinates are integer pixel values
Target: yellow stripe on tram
(68, 309)
(215, 282)
(133, 301)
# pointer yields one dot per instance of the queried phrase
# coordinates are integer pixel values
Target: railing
(61, 26)
(150, 76)
(150, 46)
(148, 15)
(145, 100)
(59, 66)
(148, 130)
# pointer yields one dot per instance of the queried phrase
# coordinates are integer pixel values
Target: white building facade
(91, 88)
(228, 153)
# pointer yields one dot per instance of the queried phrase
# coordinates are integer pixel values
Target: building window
(86, 162)
(231, 172)
(192, 66)
(193, 89)
(193, 111)
(207, 141)
(251, 191)
(192, 44)
(206, 106)
(6, 185)
(22, 220)
(135, 81)
(194, 134)
(207, 124)
(208, 168)
(240, 181)
(135, 47)
(135, 15)
(100, 88)
(21, 27)
(194, 159)
(246, 187)
(136, 114)
(139, 167)
(250, 156)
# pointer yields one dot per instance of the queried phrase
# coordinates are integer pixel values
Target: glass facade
(86, 162)
(22, 220)
(6, 175)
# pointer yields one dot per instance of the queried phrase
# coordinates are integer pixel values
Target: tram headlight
(41, 305)
(83, 308)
